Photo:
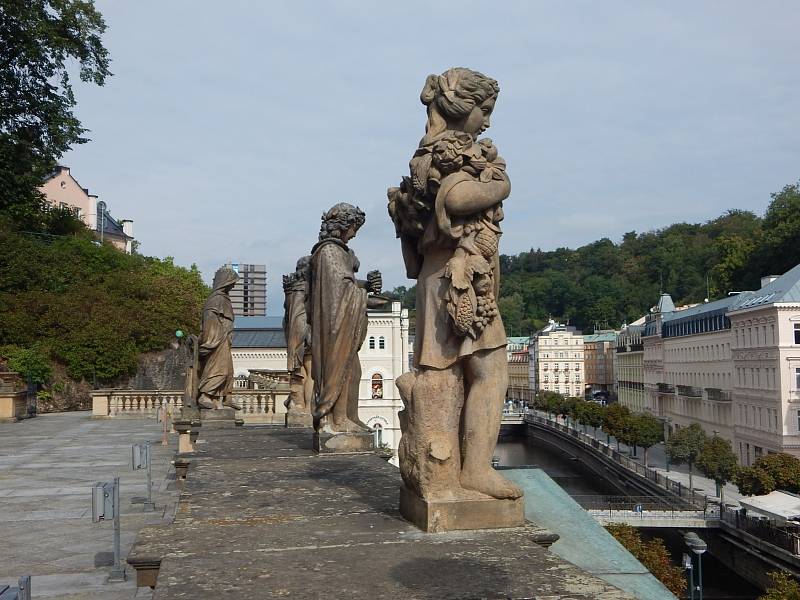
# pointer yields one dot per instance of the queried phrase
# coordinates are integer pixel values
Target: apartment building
(598, 359)
(629, 366)
(765, 370)
(732, 365)
(62, 190)
(556, 360)
(518, 367)
(688, 367)
(249, 295)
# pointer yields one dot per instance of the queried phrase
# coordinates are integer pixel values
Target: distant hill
(604, 284)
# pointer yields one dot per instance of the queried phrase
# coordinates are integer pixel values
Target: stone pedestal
(437, 516)
(297, 419)
(344, 443)
(13, 406)
(218, 418)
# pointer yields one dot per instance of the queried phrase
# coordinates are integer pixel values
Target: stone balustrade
(258, 406)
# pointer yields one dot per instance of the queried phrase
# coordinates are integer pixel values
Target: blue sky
(229, 127)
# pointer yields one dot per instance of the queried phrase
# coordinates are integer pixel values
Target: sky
(229, 127)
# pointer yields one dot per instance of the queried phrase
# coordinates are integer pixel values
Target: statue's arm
(473, 196)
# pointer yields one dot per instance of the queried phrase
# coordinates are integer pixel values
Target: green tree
(718, 462)
(550, 402)
(40, 41)
(652, 554)
(646, 431)
(684, 447)
(778, 252)
(31, 363)
(783, 468)
(615, 420)
(784, 587)
(589, 414)
(753, 481)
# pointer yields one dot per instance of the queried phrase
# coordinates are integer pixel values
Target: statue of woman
(447, 214)
(214, 354)
(298, 339)
(338, 317)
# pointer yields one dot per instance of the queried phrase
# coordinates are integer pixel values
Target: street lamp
(697, 546)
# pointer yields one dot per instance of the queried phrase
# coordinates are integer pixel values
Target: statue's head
(224, 279)
(459, 99)
(341, 222)
(301, 269)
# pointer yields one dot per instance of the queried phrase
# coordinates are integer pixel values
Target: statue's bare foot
(232, 404)
(491, 483)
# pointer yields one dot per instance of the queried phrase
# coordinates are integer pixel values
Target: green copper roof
(583, 541)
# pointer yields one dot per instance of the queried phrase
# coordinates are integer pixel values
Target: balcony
(794, 395)
(690, 391)
(718, 395)
(666, 388)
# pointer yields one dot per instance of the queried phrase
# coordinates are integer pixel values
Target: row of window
(555, 342)
(760, 417)
(699, 353)
(566, 390)
(766, 378)
(702, 379)
(697, 325)
(577, 355)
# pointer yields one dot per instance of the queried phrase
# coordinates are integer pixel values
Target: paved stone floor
(47, 467)
(262, 516)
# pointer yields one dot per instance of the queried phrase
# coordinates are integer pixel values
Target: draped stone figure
(215, 363)
(447, 214)
(338, 317)
(298, 345)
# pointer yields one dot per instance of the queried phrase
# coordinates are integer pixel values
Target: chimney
(767, 279)
(127, 227)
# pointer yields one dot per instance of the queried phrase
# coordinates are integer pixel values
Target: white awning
(780, 506)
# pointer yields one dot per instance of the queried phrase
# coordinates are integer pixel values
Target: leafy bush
(784, 587)
(31, 363)
(92, 308)
(652, 554)
(772, 472)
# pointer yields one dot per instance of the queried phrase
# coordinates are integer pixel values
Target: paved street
(656, 460)
(47, 467)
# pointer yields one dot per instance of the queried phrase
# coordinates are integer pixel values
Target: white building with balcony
(556, 360)
(629, 366)
(732, 366)
(765, 369)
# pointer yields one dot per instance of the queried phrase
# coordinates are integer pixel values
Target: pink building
(61, 189)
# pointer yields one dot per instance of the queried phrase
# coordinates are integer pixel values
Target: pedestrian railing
(786, 537)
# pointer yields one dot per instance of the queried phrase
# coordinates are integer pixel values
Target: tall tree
(39, 41)
(615, 420)
(718, 462)
(684, 447)
(646, 431)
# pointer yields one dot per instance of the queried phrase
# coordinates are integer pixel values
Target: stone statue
(215, 364)
(447, 214)
(338, 317)
(298, 345)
